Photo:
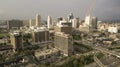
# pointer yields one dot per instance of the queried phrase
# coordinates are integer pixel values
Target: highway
(98, 62)
(102, 49)
(85, 54)
(117, 54)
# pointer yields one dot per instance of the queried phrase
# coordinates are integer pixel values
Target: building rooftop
(64, 23)
(62, 34)
(17, 32)
(46, 52)
(38, 29)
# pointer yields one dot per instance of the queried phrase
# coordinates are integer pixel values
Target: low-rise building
(48, 55)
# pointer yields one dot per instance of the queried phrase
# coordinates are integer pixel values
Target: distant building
(75, 22)
(90, 23)
(32, 22)
(40, 35)
(59, 19)
(70, 17)
(64, 43)
(94, 23)
(3, 25)
(64, 26)
(16, 40)
(88, 20)
(49, 22)
(103, 26)
(38, 20)
(84, 28)
(112, 29)
(14, 24)
(25, 23)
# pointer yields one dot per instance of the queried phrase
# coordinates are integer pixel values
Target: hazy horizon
(27, 9)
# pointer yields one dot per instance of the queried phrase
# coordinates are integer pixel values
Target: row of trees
(74, 61)
(82, 48)
(77, 61)
(76, 37)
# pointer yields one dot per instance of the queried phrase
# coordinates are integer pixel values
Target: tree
(41, 66)
(76, 63)
(1, 36)
(76, 37)
(81, 60)
(27, 36)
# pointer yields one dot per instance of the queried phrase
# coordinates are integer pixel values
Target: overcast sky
(27, 9)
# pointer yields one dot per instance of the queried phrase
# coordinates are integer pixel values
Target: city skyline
(103, 9)
(59, 33)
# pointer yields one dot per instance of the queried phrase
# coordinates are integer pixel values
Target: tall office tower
(16, 40)
(30, 23)
(94, 23)
(70, 16)
(49, 22)
(40, 35)
(64, 43)
(38, 20)
(88, 20)
(75, 22)
(64, 26)
(91, 22)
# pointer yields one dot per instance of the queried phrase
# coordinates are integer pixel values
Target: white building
(75, 21)
(113, 29)
(63, 23)
(90, 24)
(30, 22)
(88, 20)
(38, 20)
(49, 22)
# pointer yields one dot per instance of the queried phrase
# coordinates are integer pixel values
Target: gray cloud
(25, 9)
